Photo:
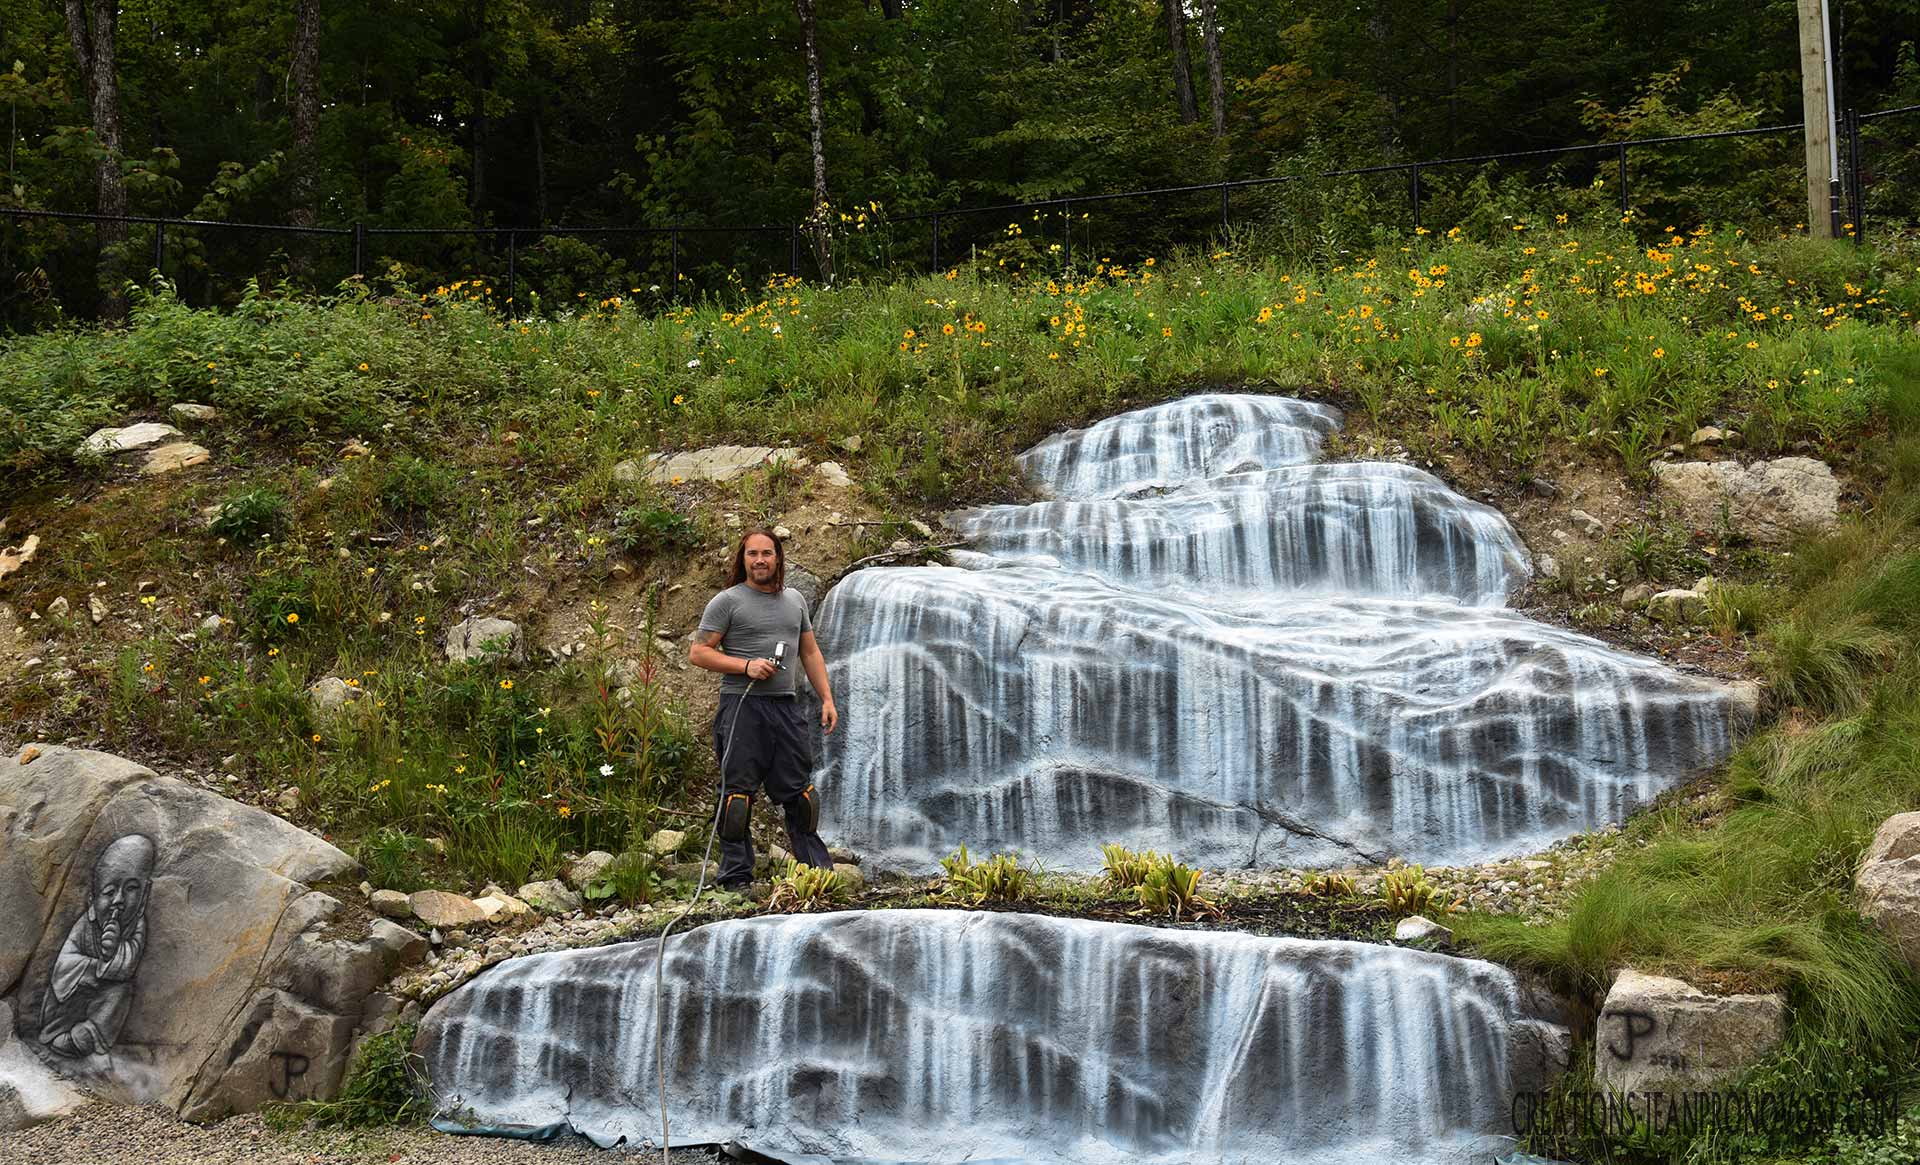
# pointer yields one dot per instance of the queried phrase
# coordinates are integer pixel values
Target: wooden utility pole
(1816, 101)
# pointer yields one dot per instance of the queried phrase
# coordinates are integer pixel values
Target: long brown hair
(739, 572)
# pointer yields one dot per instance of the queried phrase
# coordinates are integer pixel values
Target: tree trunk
(303, 189)
(1216, 85)
(816, 114)
(1453, 76)
(93, 52)
(890, 9)
(1182, 73)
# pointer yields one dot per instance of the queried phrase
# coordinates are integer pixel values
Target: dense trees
(525, 113)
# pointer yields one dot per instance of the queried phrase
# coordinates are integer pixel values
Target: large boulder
(162, 944)
(1889, 883)
(1768, 500)
(1658, 1034)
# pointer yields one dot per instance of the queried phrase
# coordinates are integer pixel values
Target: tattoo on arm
(710, 638)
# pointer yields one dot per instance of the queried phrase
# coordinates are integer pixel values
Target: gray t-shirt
(750, 622)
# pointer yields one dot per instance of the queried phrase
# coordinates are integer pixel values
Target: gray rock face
(1770, 500)
(159, 943)
(1201, 436)
(1357, 528)
(549, 897)
(1666, 1035)
(944, 1036)
(1889, 883)
(29, 1092)
(485, 638)
(1030, 708)
(175, 456)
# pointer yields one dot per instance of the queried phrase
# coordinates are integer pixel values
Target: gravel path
(103, 1134)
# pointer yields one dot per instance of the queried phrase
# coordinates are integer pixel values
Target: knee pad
(810, 801)
(735, 814)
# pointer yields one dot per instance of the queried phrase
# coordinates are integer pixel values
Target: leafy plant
(630, 879)
(1405, 891)
(647, 531)
(391, 859)
(1328, 884)
(1172, 888)
(249, 516)
(412, 488)
(1125, 869)
(380, 1090)
(803, 889)
(1000, 878)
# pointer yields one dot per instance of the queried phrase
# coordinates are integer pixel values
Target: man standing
(748, 632)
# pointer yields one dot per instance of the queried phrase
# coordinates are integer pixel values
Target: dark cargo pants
(772, 745)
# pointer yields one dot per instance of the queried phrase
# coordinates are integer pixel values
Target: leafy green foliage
(1405, 890)
(1172, 889)
(391, 858)
(803, 889)
(380, 1090)
(250, 515)
(645, 532)
(998, 878)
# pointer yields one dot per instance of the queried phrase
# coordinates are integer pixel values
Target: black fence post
(1624, 210)
(793, 250)
(359, 248)
(159, 246)
(1413, 191)
(513, 268)
(673, 251)
(1066, 216)
(936, 242)
(1226, 208)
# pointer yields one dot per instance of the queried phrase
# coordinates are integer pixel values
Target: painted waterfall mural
(895, 1036)
(1204, 643)
(1201, 642)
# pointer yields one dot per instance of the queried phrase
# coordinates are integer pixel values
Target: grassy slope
(1497, 358)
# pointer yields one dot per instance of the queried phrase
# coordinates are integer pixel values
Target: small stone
(584, 871)
(289, 799)
(843, 857)
(1707, 435)
(355, 447)
(921, 528)
(442, 908)
(833, 473)
(667, 842)
(330, 694)
(485, 637)
(901, 546)
(782, 533)
(32, 663)
(58, 606)
(1636, 594)
(1677, 606)
(177, 456)
(186, 412)
(212, 625)
(851, 878)
(549, 897)
(391, 904)
(96, 609)
(14, 557)
(1417, 928)
(366, 889)
(1587, 524)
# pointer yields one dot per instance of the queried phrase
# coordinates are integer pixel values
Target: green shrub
(630, 879)
(1172, 888)
(1329, 885)
(1823, 663)
(391, 858)
(803, 889)
(413, 489)
(646, 531)
(509, 845)
(251, 515)
(1406, 891)
(1000, 878)
(1125, 869)
(381, 1090)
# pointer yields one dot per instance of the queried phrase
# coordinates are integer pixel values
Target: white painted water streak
(942, 1036)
